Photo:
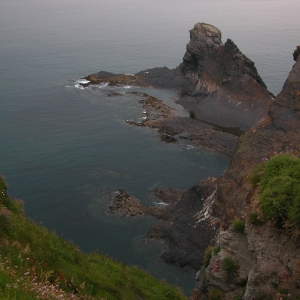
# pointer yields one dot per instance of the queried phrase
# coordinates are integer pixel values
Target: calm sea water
(64, 149)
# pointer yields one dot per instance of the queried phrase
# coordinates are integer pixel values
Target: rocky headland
(268, 257)
(231, 111)
(216, 84)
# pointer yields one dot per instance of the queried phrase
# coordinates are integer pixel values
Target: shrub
(207, 256)
(263, 296)
(5, 223)
(230, 266)
(256, 174)
(276, 196)
(215, 294)
(279, 179)
(253, 219)
(193, 115)
(216, 249)
(239, 295)
(238, 225)
(283, 291)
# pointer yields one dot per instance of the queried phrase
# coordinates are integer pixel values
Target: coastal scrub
(279, 183)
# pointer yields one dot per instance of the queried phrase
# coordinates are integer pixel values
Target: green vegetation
(193, 115)
(238, 225)
(279, 181)
(35, 263)
(230, 266)
(263, 296)
(215, 294)
(207, 256)
(216, 249)
(283, 291)
(239, 295)
(253, 219)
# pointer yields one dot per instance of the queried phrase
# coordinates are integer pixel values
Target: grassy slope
(35, 263)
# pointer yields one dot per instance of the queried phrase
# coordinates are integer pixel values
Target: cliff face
(221, 88)
(223, 77)
(268, 257)
(216, 67)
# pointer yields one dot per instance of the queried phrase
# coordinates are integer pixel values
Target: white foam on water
(83, 81)
(161, 203)
(102, 85)
(78, 86)
(189, 147)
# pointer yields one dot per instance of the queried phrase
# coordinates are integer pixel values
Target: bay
(64, 149)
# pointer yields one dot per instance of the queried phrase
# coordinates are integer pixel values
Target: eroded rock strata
(268, 257)
(223, 91)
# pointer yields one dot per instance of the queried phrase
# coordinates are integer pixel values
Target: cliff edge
(267, 256)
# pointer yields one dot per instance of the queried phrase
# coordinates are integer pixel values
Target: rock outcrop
(122, 204)
(185, 226)
(225, 81)
(214, 67)
(217, 84)
(185, 236)
(268, 257)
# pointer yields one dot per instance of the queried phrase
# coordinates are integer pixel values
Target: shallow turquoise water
(64, 149)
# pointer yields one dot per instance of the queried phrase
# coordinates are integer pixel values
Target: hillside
(37, 264)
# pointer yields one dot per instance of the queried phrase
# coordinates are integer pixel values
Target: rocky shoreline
(225, 96)
(185, 225)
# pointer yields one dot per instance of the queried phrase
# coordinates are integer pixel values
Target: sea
(65, 148)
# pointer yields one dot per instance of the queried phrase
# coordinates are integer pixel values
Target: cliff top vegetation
(279, 183)
(37, 264)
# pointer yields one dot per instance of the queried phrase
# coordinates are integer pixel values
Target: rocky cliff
(222, 77)
(268, 257)
(222, 90)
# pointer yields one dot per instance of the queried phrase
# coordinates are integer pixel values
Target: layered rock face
(223, 78)
(214, 67)
(268, 257)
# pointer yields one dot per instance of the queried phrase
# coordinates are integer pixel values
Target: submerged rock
(122, 204)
